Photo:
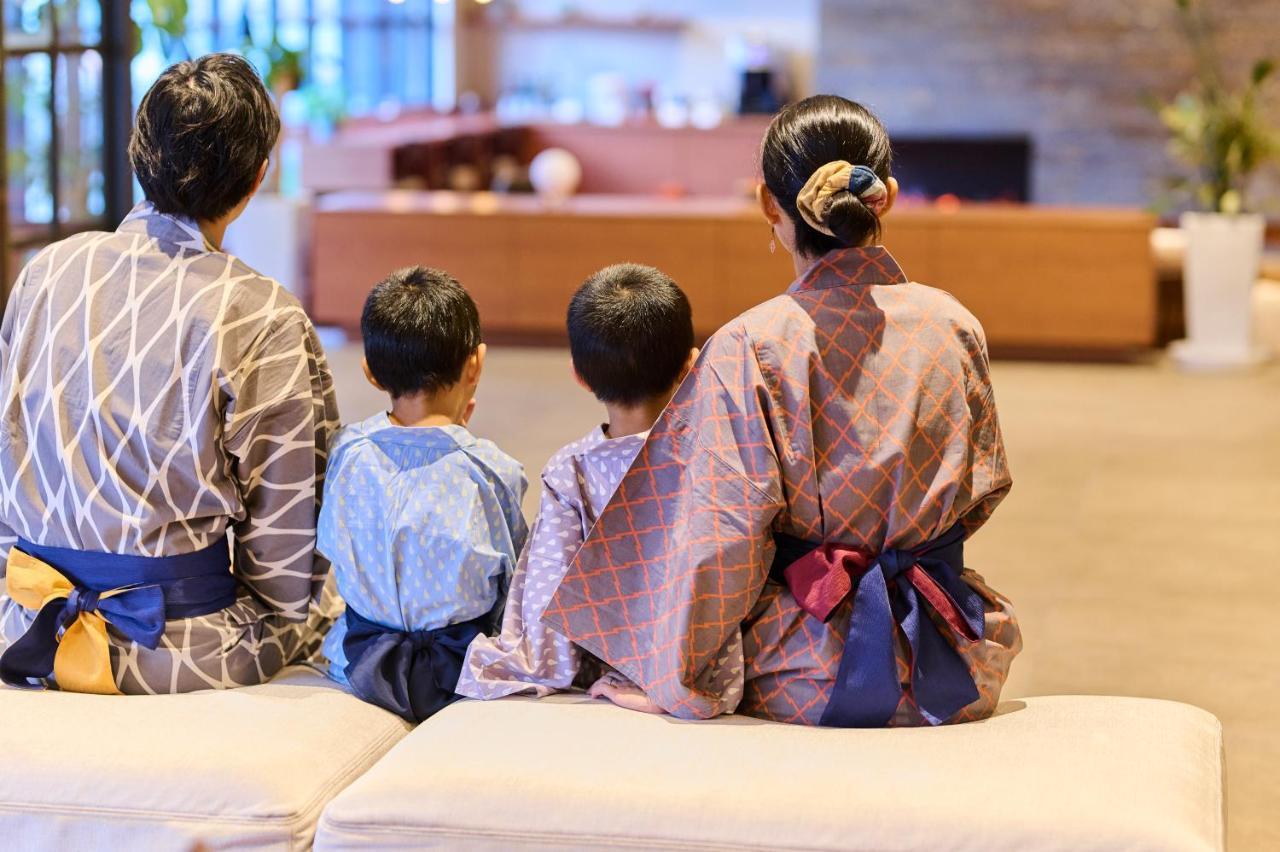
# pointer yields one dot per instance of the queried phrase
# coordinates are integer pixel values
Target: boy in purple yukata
(631, 339)
(421, 519)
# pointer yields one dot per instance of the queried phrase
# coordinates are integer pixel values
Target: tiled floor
(1141, 543)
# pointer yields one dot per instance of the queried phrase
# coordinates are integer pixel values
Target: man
(157, 394)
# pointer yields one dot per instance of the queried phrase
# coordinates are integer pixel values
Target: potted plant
(1220, 136)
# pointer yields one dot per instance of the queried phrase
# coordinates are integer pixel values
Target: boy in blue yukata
(631, 339)
(420, 518)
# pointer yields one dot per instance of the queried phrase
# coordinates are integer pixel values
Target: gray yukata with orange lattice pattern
(855, 408)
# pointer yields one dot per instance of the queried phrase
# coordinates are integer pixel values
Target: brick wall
(1071, 75)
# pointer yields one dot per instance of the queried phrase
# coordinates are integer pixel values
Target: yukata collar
(848, 267)
(451, 437)
(166, 227)
(598, 436)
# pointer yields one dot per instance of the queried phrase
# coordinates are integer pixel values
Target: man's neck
(214, 231)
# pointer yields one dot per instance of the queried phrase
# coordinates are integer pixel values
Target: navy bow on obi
(892, 591)
(76, 594)
(411, 673)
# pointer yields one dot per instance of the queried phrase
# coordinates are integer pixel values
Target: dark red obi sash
(891, 591)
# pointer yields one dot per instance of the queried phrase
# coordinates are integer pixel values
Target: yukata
(423, 527)
(526, 656)
(161, 405)
(852, 416)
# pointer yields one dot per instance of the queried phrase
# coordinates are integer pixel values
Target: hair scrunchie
(838, 176)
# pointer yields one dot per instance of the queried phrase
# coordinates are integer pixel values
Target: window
(365, 55)
(61, 137)
(73, 71)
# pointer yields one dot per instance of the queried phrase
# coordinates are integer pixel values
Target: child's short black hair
(419, 328)
(630, 332)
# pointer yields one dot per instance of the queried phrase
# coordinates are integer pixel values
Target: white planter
(1218, 276)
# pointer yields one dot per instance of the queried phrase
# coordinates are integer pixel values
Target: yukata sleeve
(277, 428)
(989, 467)
(526, 656)
(9, 536)
(679, 557)
(516, 485)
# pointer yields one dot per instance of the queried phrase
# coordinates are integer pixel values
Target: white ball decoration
(555, 174)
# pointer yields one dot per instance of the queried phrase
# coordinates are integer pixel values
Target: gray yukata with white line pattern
(156, 395)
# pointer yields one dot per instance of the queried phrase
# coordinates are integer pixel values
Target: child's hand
(624, 693)
(467, 412)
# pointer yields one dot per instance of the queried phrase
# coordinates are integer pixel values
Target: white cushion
(250, 768)
(1068, 773)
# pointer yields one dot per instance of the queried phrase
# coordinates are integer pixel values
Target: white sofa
(248, 768)
(1055, 773)
(256, 768)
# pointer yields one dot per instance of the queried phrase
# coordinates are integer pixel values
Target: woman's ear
(891, 190)
(768, 204)
(368, 374)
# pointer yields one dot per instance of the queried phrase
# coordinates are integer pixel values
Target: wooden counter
(1040, 279)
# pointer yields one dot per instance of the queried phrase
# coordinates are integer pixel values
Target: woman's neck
(802, 263)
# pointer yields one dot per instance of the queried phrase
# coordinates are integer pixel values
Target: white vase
(1218, 276)
(555, 174)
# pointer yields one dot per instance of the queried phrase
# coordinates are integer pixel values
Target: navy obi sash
(135, 595)
(892, 591)
(411, 673)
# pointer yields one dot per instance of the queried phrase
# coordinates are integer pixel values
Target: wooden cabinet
(1041, 280)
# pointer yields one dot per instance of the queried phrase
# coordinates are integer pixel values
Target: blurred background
(1096, 180)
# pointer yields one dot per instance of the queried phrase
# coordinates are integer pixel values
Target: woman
(155, 395)
(788, 544)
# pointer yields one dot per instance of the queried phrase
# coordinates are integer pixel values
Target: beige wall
(695, 59)
(1072, 75)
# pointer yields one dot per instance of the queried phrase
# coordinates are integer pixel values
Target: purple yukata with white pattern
(528, 657)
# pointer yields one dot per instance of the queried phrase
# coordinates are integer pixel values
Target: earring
(773, 243)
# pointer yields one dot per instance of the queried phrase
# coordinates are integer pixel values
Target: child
(420, 519)
(631, 339)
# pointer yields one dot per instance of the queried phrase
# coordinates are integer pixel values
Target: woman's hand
(624, 693)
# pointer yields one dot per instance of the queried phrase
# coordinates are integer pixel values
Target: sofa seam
(321, 800)
(548, 837)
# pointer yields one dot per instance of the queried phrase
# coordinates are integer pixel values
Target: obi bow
(893, 591)
(68, 637)
(411, 673)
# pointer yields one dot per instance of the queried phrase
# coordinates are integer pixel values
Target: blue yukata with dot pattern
(422, 525)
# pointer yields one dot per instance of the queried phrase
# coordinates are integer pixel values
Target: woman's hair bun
(826, 160)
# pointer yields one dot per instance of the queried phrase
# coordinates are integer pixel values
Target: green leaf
(1262, 69)
(169, 16)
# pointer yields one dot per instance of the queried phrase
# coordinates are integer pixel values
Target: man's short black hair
(202, 133)
(419, 327)
(630, 332)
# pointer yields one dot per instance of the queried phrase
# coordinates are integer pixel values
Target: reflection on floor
(1141, 543)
